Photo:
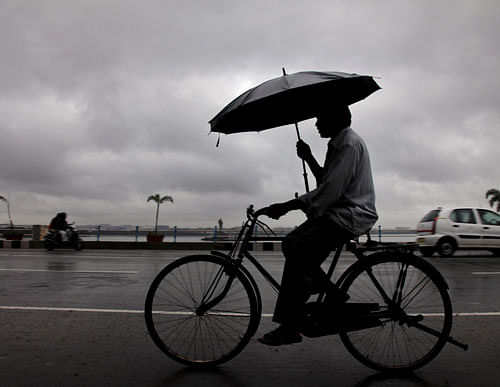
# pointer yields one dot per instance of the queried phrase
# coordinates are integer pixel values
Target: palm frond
(155, 198)
(3, 199)
(493, 191)
(494, 196)
(167, 199)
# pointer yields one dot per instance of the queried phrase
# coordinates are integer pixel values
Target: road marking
(135, 311)
(73, 271)
(486, 272)
(55, 309)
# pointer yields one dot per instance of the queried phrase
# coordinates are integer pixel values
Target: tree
(494, 196)
(159, 200)
(221, 224)
(4, 199)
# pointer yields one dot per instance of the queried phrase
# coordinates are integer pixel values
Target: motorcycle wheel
(49, 245)
(78, 245)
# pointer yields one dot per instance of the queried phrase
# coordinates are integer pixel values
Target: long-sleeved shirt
(345, 193)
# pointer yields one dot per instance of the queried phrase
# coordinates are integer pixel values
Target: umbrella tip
(284, 71)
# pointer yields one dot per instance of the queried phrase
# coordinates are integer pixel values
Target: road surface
(76, 318)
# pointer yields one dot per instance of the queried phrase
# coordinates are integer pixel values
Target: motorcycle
(53, 239)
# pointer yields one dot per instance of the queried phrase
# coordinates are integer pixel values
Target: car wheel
(446, 247)
(426, 251)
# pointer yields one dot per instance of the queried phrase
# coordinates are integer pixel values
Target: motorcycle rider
(59, 225)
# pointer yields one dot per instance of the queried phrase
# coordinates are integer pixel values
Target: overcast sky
(103, 103)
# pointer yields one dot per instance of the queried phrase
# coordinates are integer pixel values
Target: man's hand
(304, 150)
(276, 211)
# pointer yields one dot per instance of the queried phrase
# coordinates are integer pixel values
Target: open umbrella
(289, 99)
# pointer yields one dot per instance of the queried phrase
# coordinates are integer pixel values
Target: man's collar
(339, 136)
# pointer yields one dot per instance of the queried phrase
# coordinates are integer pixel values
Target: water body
(398, 238)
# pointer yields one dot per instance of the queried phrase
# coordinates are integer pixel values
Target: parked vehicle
(53, 239)
(444, 230)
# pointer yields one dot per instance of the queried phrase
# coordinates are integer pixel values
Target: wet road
(76, 319)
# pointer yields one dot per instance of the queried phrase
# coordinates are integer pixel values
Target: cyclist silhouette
(341, 207)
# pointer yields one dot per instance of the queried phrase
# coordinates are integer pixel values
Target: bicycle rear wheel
(183, 328)
(415, 324)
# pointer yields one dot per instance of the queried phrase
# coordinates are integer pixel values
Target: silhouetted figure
(59, 224)
(339, 209)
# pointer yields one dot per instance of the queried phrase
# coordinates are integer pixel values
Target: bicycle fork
(207, 305)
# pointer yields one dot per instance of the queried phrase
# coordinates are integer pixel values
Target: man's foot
(281, 336)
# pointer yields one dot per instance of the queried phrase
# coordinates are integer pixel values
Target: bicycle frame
(241, 249)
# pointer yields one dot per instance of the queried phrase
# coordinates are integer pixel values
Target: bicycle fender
(407, 257)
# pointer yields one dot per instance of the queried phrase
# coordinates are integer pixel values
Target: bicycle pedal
(412, 320)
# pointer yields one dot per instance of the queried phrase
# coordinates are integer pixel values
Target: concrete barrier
(266, 246)
(14, 244)
(111, 245)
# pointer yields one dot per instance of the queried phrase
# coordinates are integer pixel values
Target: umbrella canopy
(291, 98)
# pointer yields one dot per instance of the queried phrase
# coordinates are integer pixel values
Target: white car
(447, 229)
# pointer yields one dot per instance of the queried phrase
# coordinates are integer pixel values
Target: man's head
(332, 120)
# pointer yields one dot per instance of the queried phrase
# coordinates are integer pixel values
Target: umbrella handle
(306, 181)
(297, 130)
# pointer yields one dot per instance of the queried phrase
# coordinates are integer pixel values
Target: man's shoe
(280, 336)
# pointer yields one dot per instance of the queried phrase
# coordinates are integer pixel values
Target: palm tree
(159, 200)
(4, 199)
(494, 196)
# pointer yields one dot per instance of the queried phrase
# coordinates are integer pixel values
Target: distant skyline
(105, 102)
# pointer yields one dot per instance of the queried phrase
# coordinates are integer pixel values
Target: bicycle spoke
(416, 322)
(191, 334)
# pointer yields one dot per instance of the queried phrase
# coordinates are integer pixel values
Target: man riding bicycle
(340, 208)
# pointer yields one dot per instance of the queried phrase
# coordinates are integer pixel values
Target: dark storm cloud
(106, 102)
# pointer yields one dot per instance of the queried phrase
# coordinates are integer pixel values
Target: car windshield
(431, 216)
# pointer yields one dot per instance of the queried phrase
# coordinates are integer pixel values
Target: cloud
(106, 102)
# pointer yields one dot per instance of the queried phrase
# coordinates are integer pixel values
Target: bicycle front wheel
(415, 323)
(200, 310)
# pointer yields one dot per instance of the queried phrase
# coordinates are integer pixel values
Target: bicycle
(202, 310)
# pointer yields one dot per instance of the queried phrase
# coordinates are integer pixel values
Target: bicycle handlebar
(254, 214)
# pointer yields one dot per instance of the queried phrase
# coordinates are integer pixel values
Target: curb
(110, 245)
(15, 244)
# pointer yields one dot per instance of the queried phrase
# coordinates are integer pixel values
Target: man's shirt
(346, 193)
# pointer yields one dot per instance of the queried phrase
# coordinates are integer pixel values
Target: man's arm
(335, 181)
(304, 152)
(277, 210)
